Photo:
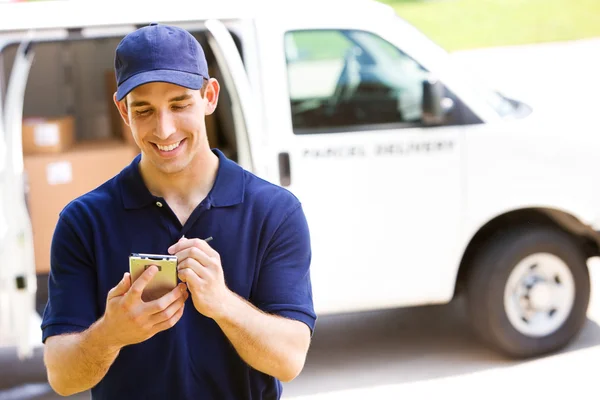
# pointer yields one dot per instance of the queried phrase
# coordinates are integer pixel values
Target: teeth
(170, 147)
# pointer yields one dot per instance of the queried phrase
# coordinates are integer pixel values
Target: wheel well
(584, 235)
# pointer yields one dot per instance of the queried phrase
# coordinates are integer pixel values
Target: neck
(187, 187)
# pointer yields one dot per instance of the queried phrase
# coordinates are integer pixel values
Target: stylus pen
(208, 239)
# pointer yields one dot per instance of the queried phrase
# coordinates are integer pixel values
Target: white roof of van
(53, 14)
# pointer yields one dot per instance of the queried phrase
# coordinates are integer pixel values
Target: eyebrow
(142, 103)
(181, 98)
(139, 104)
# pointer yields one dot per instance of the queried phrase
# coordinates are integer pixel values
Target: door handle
(285, 177)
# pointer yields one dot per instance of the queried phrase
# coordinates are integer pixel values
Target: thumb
(121, 288)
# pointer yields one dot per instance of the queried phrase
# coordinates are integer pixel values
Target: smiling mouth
(170, 147)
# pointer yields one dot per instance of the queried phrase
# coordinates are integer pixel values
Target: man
(241, 319)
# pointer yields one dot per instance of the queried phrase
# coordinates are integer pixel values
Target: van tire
(489, 306)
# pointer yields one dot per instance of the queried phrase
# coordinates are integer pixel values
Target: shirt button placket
(164, 221)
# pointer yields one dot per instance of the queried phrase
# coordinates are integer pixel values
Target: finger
(140, 283)
(121, 288)
(199, 255)
(162, 303)
(182, 244)
(192, 252)
(168, 312)
(206, 248)
(193, 265)
(193, 281)
(185, 243)
(196, 254)
(170, 322)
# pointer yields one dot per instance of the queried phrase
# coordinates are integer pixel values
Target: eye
(142, 112)
(181, 107)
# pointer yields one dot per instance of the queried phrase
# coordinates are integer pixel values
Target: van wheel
(528, 292)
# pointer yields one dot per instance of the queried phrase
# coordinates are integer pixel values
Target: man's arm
(271, 344)
(77, 362)
(273, 336)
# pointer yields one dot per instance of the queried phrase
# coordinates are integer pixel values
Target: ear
(122, 107)
(211, 95)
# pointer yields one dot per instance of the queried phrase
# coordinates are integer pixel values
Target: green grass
(467, 24)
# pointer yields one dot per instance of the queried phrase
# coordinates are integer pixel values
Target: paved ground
(426, 353)
(419, 353)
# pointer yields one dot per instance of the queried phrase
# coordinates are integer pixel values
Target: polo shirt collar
(227, 190)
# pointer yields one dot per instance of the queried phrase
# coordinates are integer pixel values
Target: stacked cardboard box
(57, 178)
(59, 168)
(48, 135)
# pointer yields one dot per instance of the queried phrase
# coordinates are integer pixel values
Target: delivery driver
(241, 319)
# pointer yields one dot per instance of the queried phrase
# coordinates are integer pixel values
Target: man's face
(167, 122)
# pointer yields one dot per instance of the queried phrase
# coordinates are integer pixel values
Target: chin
(171, 167)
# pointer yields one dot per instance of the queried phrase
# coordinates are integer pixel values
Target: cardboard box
(48, 135)
(56, 179)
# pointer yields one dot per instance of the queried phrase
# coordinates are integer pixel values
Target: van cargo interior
(71, 78)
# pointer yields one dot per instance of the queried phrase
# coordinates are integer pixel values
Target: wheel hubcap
(539, 294)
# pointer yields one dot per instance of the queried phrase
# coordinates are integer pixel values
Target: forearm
(271, 344)
(77, 362)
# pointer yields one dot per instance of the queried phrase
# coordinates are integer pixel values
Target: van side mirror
(435, 105)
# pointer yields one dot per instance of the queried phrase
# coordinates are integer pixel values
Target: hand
(129, 320)
(199, 265)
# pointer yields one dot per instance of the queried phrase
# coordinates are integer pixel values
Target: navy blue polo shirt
(262, 236)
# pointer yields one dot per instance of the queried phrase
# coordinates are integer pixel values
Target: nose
(165, 125)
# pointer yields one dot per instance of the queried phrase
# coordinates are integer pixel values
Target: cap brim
(185, 79)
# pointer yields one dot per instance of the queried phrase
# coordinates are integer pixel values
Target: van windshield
(503, 106)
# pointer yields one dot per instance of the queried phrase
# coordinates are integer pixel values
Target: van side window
(350, 79)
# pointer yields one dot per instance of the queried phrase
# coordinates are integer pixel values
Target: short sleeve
(284, 284)
(71, 303)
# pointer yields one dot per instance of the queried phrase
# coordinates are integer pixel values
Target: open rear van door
(244, 104)
(19, 321)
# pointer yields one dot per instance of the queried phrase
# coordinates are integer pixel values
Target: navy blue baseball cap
(159, 53)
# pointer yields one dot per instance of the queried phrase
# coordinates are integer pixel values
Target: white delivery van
(418, 184)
